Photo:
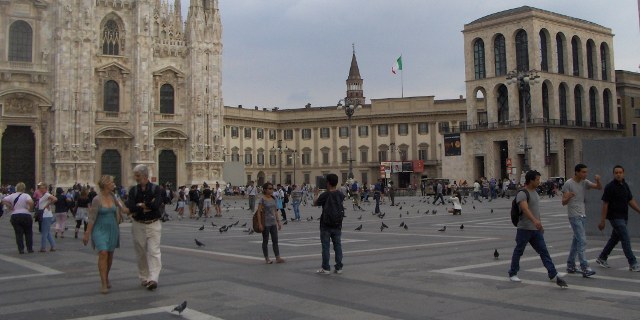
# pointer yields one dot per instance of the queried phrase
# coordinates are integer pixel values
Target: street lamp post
(294, 156)
(279, 149)
(349, 107)
(524, 80)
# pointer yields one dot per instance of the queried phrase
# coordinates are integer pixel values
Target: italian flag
(397, 66)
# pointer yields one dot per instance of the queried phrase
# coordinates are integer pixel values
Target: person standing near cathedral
(573, 197)
(206, 194)
(144, 205)
(218, 196)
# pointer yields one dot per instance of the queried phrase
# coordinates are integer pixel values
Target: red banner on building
(418, 165)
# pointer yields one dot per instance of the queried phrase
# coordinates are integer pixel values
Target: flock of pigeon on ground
(224, 228)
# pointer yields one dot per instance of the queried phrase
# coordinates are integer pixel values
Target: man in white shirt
(252, 192)
(218, 200)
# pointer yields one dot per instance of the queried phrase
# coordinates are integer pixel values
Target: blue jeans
(536, 239)
(296, 208)
(376, 196)
(579, 242)
(45, 234)
(619, 234)
(333, 234)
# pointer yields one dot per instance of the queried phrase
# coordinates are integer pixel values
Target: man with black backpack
(530, 230)
(330, 223)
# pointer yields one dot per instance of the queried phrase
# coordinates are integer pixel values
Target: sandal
(152, 285)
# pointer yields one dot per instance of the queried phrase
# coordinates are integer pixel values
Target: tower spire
(354, 81)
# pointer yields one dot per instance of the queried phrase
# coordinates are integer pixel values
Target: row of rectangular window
(343, 132)
(306, 157)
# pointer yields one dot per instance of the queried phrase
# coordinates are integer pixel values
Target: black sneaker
(571, 269)
(587, 272)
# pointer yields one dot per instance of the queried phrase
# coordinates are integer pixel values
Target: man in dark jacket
(330, 223)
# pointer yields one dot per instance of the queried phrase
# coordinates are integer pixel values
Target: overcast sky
(287, 53)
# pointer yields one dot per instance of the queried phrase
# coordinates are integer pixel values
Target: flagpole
(402, 82)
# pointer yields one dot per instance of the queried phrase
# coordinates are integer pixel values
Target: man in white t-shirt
(252, 192)
(44, 204)
(573, 197)
(218, 200)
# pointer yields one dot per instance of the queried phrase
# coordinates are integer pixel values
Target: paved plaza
(397, 273)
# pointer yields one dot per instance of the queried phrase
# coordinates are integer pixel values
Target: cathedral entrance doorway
(19, 156)
(167, 167)
(111, 164)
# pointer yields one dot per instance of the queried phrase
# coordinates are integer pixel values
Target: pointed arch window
(111, 39)
(20, 41)
(167, 99)
(500, 53)
(478, 59)
(560, 46)
(503, 104)
(522, 51)
(562, 104)
(111, 102)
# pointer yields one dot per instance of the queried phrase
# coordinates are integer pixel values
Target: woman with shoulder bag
(271, 223)
(21, 203)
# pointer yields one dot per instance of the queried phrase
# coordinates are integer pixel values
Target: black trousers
(273, 231)
(22, 225)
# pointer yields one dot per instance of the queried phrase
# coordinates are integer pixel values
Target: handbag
(258, 219)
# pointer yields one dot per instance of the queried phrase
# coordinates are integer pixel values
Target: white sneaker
(323, 271)
(515, 278)
(337, 271)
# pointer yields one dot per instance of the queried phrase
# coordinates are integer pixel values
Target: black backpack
(515, 208)
(332, 211)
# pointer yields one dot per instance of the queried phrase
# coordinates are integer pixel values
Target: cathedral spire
(354, 71)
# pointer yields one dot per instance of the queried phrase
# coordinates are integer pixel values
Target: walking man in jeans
(530, 230)
(573, 197)
(616, 200)
(331, 202)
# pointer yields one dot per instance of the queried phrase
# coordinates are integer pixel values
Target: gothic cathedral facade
(93, 87)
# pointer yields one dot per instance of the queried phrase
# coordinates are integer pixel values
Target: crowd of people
(98, 214)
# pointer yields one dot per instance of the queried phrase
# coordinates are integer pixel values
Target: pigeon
(213, 224)
(201, 228)
(461, 226)
(491, 210)
(251, 231)
(401, 224)
(400, 208)
(381, 216)
(223, 229)
(358, 228)
(407, 212)
(198, 243)
(244, 225)
(360, 217)
(474, 207)
(384, 225)
(235, 224)
(444, 228)
(180, 307)
(406, 227)
(434, 211)
(285, 222)
(400, 215)
(496, 254)
(381, 228)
